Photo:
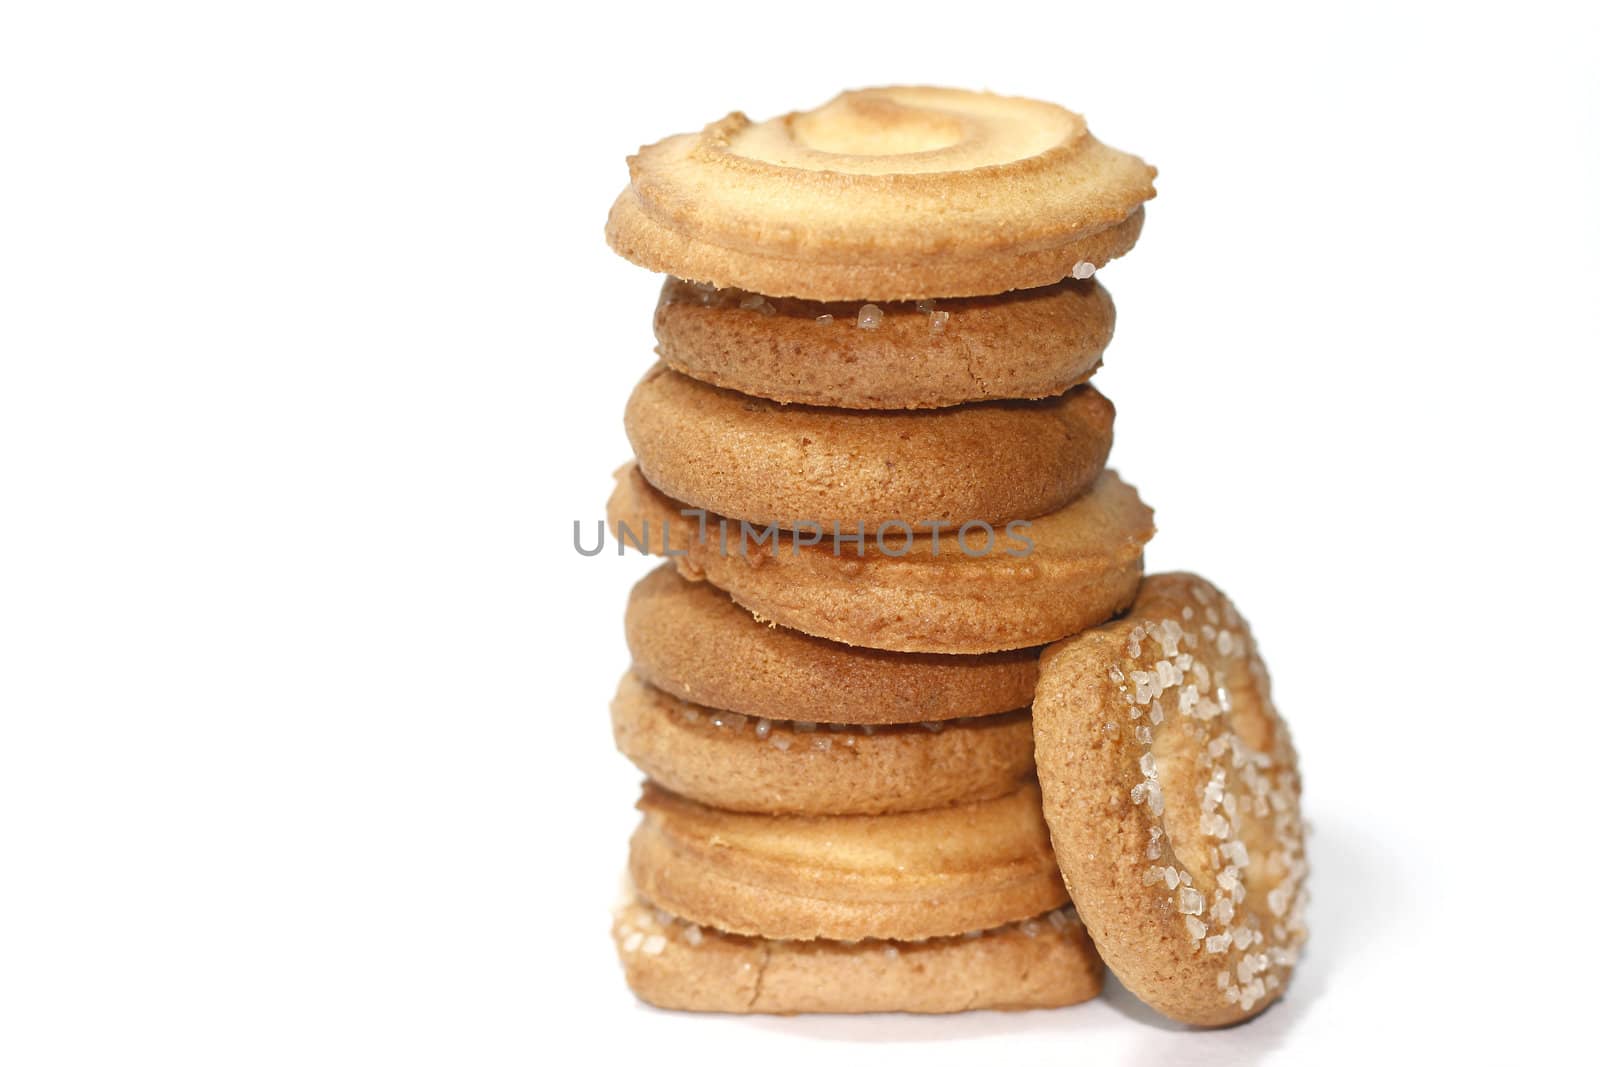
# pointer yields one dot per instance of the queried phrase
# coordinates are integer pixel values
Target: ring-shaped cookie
(898, 193)
(739, 763)
(1022, 345)
(1044, 962)
(693, 641)
(900, 877)
(1173, 796)
(983, 591)
(765, 462)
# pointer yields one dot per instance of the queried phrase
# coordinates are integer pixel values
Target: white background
(313, 350)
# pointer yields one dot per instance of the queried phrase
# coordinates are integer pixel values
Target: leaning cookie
(901, 877)
(727, 760)
(796, 466)
(691, 640)
(1043, 962)
(1027, 344)
(900, 193)
(986, 591)
(1173, 797)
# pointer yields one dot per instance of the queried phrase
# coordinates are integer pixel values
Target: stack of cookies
(872, 458)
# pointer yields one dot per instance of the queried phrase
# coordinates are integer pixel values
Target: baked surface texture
(1044, 962)
(1173, 796)
(693, 641)
(899, 877)
(1077, 567)
(899, 193)
(738, 763)
(1027, 344)
(825, 468)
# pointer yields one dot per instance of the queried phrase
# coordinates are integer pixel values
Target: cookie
(728, 760)
(884, 194)
(1062, 572)
(1024, 345)
(826, 469)
(1173, 797)
(900, 877)
(1044, 962)
(691, 640)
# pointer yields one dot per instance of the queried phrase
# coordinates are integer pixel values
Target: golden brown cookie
(1173, 797)
(733, 761)
(845, 877)
(692, 640)
(1044, 962)
(1062, 572)
(898, 193)
(1027, 344)
(825, 468)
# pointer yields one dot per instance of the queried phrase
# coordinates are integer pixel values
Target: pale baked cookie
(728, 760)
(823, 468)
(884, 194)
(1043, 962)
(1027, 344)
(902, 877)
(692, 640)
(1173, 797)
(1071, 569)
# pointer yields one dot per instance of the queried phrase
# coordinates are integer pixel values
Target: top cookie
(884, 194)
(1173, 797)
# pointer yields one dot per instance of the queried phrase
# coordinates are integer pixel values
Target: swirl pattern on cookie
(898, 193)
(1173, 796)
(691, 640)
(765, 462)
(903, 876)
(1023, 345)
(1043, 962)
(741, 763)
(986, 592)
